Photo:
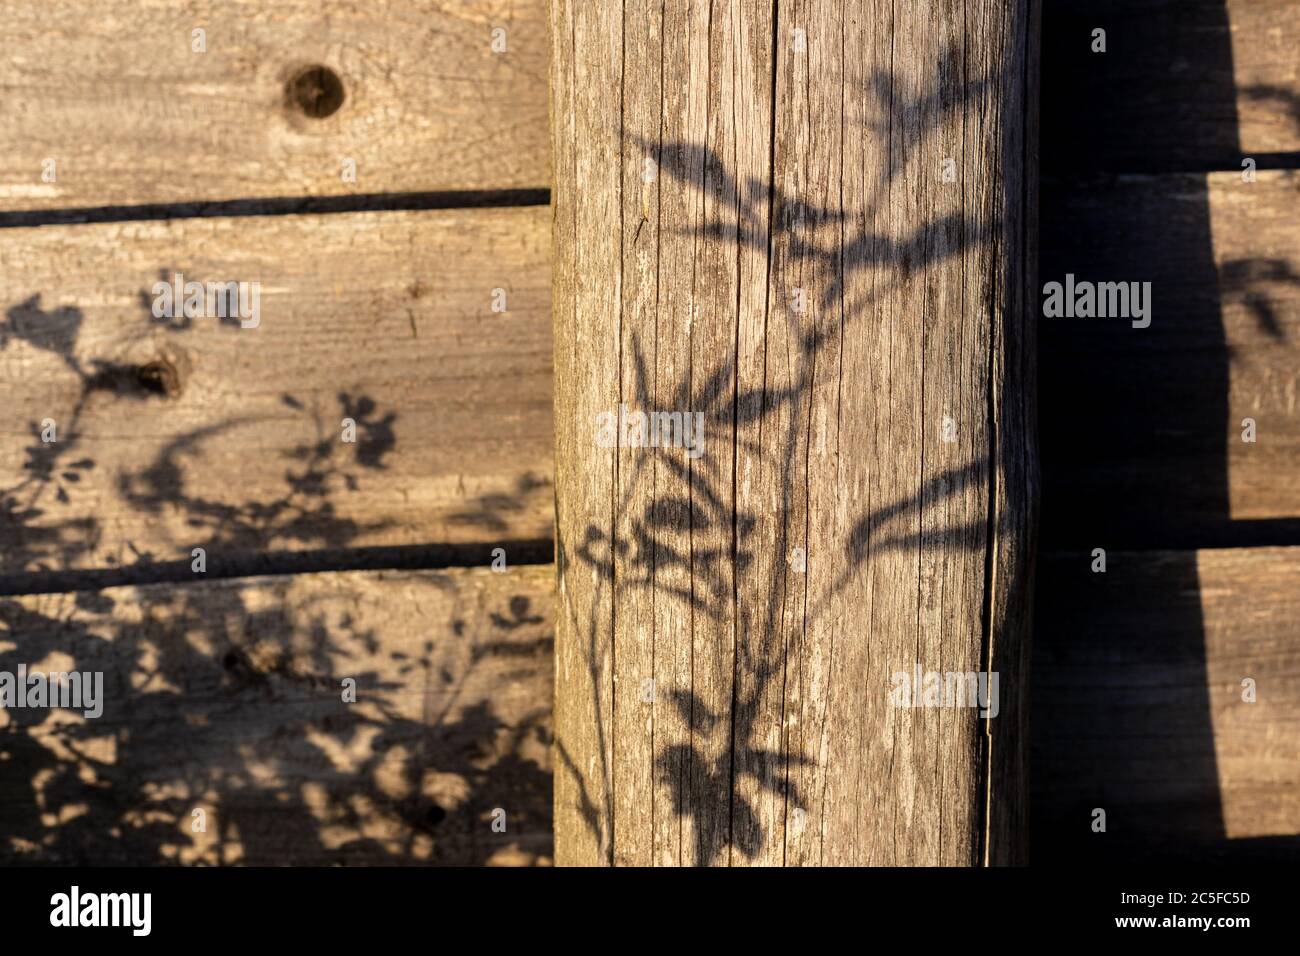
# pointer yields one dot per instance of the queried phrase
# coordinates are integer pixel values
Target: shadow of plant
(644, 543)
(1284, 97)
(1246, 280)
(226, 697)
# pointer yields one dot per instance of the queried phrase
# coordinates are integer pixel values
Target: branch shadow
(226, 736)
(702, 536)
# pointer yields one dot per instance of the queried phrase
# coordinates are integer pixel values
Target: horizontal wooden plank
(227, 697)
(1186, 85)
(1142, 434)
(1139, 705)
(130, 112)
(178, 433)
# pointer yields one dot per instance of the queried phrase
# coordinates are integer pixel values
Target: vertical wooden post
(807, 227)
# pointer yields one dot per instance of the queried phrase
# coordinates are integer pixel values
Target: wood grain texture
(131, 114)
(752, 225)
(227, 696)
(181, 433)
(1139, 709)
(1144, 446)
(1184, 85)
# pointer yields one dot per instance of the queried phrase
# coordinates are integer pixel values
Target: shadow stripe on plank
(1187, 85)
(1140, 707)
(1129, 414)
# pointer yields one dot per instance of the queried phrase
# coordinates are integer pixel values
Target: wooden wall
(377, 305)
(412, 299)
(1139, 704)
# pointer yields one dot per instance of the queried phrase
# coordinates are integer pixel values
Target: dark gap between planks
(394, 558)
(281, 206)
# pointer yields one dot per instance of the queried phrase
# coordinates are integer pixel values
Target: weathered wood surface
(227, 696)
(181, 433)
(752, 224)
(1142, 439)
(1138, 705)
(115, 95)
(1184, 85)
